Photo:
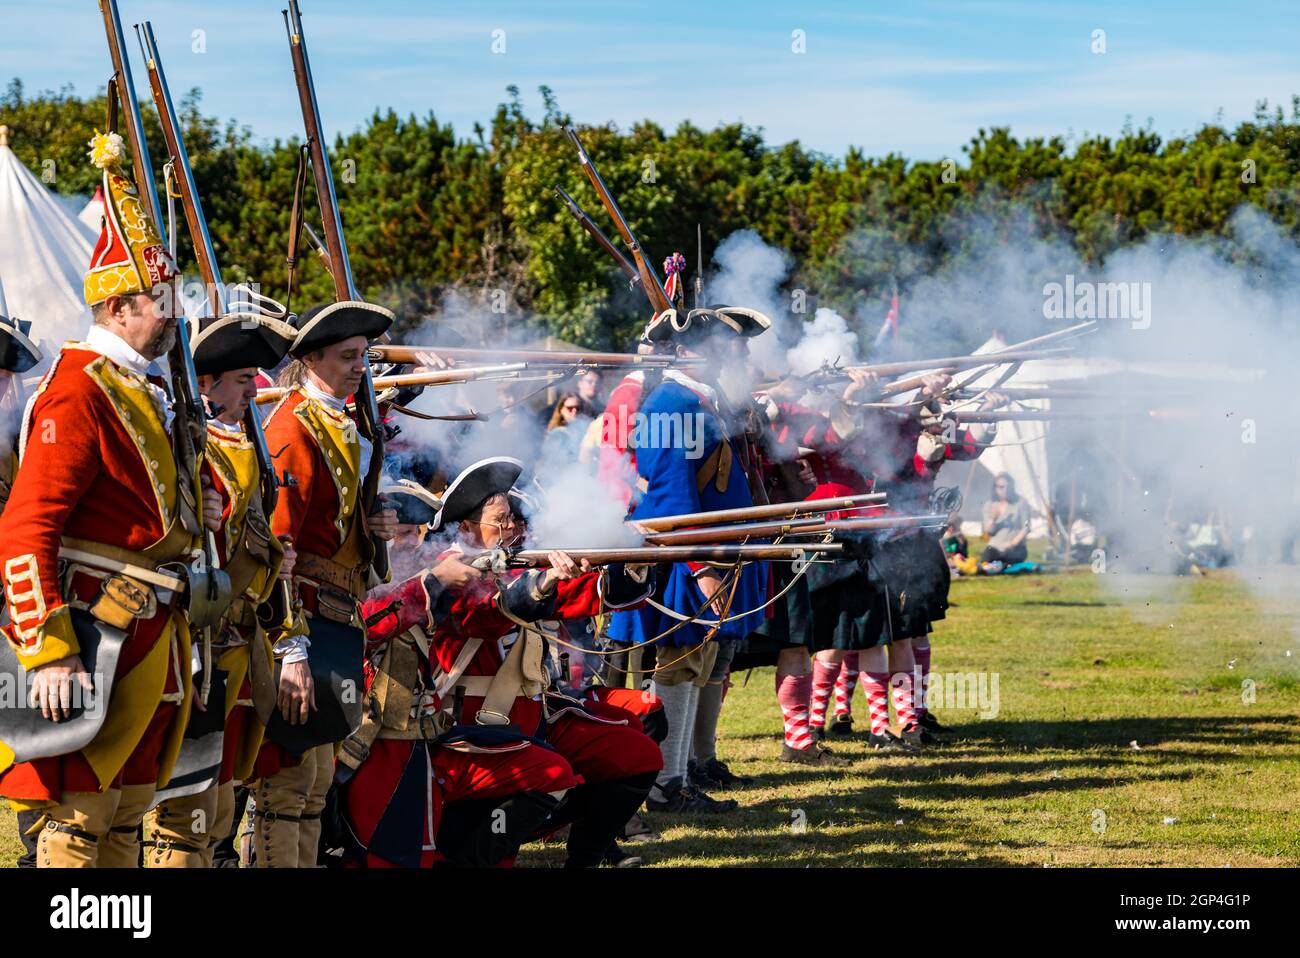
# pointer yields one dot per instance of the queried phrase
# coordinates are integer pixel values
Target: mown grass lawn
(1149, 721)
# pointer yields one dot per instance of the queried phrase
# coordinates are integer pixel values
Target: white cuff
(292, 650)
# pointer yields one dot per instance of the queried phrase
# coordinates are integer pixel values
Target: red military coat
(316, 452)
(97, 466)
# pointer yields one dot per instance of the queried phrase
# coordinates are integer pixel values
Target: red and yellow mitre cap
(130, 256)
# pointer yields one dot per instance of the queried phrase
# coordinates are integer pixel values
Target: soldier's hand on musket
(861, 381)
(52, 687)
(994, 399)
(934, 384)
(562, 566)
(453, 573)
(383, 524)
(290, 558)
(297, 693)
(211, 506)
(430, 360)
(710, 582)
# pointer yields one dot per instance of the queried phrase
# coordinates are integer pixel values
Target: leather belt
(108, 558)
(347, 578)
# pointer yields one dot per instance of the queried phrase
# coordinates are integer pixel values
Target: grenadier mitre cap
(130, 256)
(256, 331)
(331, 323)
(476, 485)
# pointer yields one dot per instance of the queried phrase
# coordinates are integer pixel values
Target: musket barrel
(131, 108)
(773, 510)
(597, 234)
(391, 353)
(959, 362)
(436, 377)
(190, 202)
(816, 525)
(539, 558)
(340, 268)
(649, 280)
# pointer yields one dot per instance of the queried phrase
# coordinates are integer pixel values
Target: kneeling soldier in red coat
(452, 631)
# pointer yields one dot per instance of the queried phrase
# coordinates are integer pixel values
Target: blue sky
(918, 78)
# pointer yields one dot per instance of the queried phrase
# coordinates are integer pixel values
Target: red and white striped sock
(844, 685)
(900, 684)
(793, 693)
(876, 687)
(922, 657)
(823, 681)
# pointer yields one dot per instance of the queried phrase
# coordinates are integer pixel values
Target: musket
(340, 269)
(959, 362)
(649, 281)
(434, 377)
(1048, 415)
(500, 559)
(792, 527)
(774, 510)
(388, 352)
(204, 252)
(1070, 332)
(596, 233)
(209, 586)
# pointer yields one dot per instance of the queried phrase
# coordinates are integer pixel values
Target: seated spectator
(1006, 523)
(954, 543)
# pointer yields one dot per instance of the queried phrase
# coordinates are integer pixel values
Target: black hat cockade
(255, 332)
(331, 323)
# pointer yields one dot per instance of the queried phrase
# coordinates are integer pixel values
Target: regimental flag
(889, 329)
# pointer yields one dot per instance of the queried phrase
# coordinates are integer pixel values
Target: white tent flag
(44, 252)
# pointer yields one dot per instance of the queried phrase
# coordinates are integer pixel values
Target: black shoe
(891, 744)
(698, 776)
(928, 721)
(920, 736)
(813, 755)
(842, 725)
(689, 799)
(818, 732)
(617, 858)
(717, 770)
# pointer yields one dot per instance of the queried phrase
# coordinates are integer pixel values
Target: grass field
(1133, 728)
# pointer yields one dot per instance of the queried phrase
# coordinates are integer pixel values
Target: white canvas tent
(1032, 453)
(92, 214)
(44, 252)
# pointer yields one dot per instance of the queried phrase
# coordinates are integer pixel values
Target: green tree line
(428, 212)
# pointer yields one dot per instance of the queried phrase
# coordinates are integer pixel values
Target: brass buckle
(482, 714)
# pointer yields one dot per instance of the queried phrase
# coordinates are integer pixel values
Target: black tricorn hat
(17, 351)
(411, 494)
(255, 332)
(684, 327)
(475, 485)
(331, 323)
